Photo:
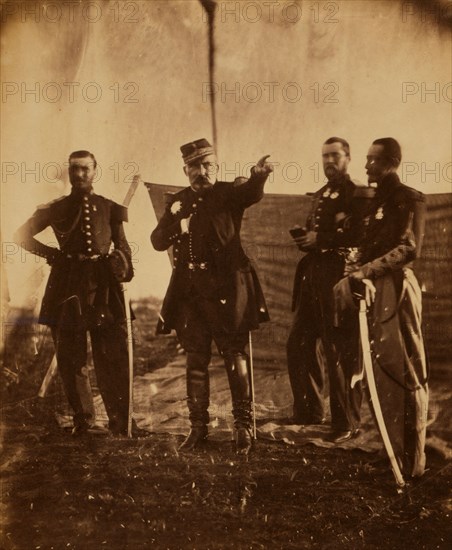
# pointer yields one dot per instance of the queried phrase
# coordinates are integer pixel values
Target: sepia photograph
(226, 293)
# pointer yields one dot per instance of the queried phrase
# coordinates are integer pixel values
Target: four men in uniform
(214, 293)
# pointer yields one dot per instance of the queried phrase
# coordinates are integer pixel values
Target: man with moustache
(83, 292)
(392, 240)
(327, 241)
(214, 292)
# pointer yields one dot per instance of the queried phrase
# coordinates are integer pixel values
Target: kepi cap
(196, 149)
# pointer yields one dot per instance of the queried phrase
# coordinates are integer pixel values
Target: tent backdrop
(267, 242)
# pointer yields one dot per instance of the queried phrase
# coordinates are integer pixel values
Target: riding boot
(238, 371)
(197, 399)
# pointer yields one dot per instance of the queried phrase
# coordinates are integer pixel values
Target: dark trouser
(349, 353)
(199, 322)
(314, 319)
(110, 357)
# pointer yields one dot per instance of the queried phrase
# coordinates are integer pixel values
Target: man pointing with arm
(214, 293)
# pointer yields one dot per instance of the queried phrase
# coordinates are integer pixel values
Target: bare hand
(185, 224)
(370, 292)
(263, 167)
(358, 275)
(307, 241)
(369, 287)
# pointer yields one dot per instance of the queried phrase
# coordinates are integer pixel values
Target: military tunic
(391, 243)
(316, 274)
(214, 293)
(82, 294)
(210, 258)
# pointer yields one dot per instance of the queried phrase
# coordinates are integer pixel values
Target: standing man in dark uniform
(214, 292)
(83, 292)
(325, 241)
(391, 242)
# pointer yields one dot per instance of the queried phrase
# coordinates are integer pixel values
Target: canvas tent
(267, 242)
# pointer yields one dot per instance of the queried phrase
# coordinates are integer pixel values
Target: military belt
(79, 257)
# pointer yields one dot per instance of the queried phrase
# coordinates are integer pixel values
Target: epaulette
(406, 193)
(169, 197)
(357, 183)
(119, 212)
(51, 203)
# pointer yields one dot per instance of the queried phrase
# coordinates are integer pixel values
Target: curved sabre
(368, 369)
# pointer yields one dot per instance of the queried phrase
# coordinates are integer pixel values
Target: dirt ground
(103, 492)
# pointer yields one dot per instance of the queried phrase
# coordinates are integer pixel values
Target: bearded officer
(327, 241)
(214, 292)
(83, 292)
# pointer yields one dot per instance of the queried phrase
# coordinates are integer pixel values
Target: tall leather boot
(239, 382)
(198, 399)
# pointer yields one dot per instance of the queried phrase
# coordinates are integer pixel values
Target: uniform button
(88, 233)
(87, 218)
(89, 249)
(85, 198)
(194, 205)
(200, 199)
(89, 242)
(88, 226)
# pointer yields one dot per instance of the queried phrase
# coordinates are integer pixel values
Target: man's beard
(81, 186)
(333, 173)
(200, 184)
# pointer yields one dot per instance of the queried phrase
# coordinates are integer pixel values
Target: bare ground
(100, 492)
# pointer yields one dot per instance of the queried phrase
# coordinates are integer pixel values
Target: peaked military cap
(196, 149)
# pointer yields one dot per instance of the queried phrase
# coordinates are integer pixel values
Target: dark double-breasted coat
(83, 294)
(85, 226)
(235, 287)
(392, 241)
